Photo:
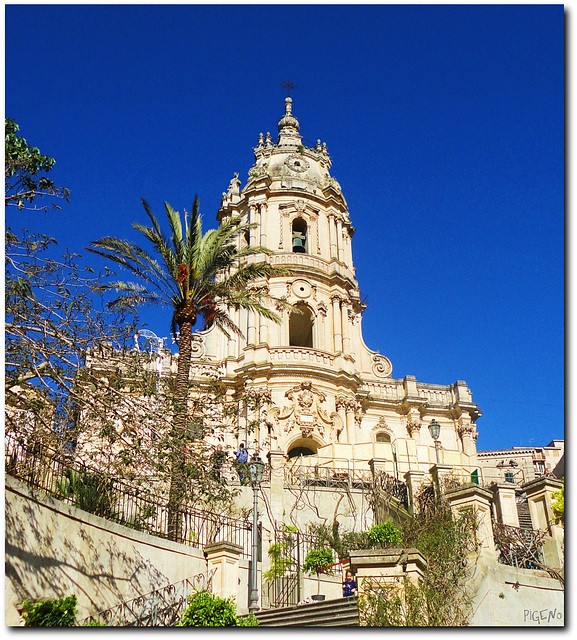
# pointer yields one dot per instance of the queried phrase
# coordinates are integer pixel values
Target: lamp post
(255, 469)
(435, 430)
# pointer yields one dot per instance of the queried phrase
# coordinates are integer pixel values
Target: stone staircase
(343, 612)
(524, 514)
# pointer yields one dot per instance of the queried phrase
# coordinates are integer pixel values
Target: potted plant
(317, 561)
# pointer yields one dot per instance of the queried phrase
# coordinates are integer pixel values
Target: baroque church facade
(330, 400)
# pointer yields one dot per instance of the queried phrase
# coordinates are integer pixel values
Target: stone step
(524, 515)
(343, 612)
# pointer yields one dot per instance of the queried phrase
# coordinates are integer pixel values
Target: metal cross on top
(288, 86)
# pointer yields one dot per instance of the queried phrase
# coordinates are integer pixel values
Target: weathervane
(288, 86)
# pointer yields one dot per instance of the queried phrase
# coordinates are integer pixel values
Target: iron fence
(519, 547)
(160, 608)
(114, 499)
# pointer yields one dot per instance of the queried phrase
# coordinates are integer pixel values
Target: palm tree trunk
(178, 433)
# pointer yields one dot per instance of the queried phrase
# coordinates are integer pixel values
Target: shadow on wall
(53, 550)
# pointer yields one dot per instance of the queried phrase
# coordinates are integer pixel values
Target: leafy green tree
(318, 561)
(207, 610)
(25, 168)
(198, 276)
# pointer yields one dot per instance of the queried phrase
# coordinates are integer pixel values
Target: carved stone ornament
(304, 412)
(297, 163)
(382, 366)
(197, 347)
(301, 289)
(413, 427)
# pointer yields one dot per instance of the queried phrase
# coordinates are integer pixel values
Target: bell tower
(301, 215)
(326, 394)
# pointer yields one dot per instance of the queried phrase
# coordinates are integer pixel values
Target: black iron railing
(519, 547)
(160, 608)
(116, 500)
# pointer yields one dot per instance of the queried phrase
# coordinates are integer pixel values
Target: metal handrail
(160, 608)
(118, 501)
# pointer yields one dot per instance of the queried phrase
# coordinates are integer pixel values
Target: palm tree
(198, 276)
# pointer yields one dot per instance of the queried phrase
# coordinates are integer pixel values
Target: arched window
(301, 327)
(383, 437)
(299, 230)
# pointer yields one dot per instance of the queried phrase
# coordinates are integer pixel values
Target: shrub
(386, 534)
(559, 506)
(207, 610)
(50, 613)
(280, 561)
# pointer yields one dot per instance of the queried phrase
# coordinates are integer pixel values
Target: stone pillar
(387, 566)
(254, 231)
(346, 328)
(263, 224)
(277, 460)
(251, 330)
(333, 236)
(505, 504)
(340, 250)
(233, 340)
(439, 472)
(337, 328)
(414, 480)
(479, 500)
(224, 559)
(540, 497)
(341, 407)
(263, 330)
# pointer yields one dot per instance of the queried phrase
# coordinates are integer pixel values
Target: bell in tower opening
(299, 236)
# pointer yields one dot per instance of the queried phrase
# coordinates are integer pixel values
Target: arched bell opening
(303, 447)
(299, 232)
(301, 327)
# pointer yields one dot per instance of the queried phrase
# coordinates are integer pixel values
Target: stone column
(251, 330)
(540, 497)
(340, 250)
(254, 231)
(505, 505)
(348, 249)
(337, 321)
(333, 236)
(351, 432)
(263, 331)
(346, 328)
(466, 430)
(341, 407)
(233, 340)
(479, 500)
(263, 224)
(224, 559)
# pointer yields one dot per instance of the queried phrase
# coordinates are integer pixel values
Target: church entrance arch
(303, 447)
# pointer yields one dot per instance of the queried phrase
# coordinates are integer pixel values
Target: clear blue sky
(445, 125)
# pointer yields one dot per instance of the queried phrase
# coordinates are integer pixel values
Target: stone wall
(55, 550)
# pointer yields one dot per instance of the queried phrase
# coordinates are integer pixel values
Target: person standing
(241, 460)
(349, 585)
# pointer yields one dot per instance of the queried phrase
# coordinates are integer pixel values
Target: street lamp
(255, 469)
(435, 430)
